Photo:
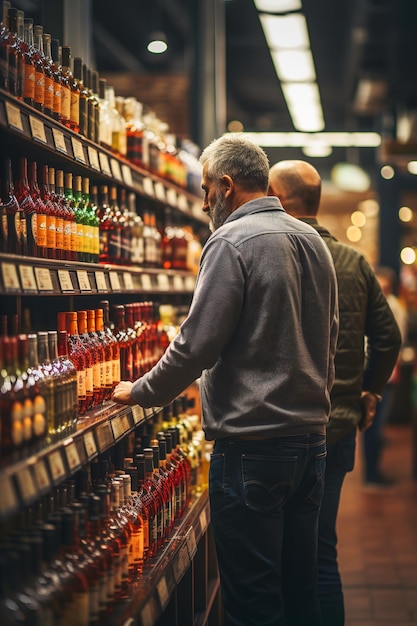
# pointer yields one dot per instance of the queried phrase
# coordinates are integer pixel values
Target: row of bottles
(50, 379)
(35, 68)
(56, 215)
(78, 551)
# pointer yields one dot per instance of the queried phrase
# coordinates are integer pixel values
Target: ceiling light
(157, 43)
(354, 234)
(303, 102)
(408, 256)
(278, 6)
(317, 150)
(350, 177)
(285, 31)
(294, 65)
(299, 140)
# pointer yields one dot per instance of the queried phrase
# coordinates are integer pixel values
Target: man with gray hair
(261, 332)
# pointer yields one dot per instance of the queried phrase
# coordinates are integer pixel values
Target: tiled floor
(378, 539)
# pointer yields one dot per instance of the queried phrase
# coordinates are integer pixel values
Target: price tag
(115, 169)
(163, 593)
(203, 522)
(182, 203)
(41, 476)
(43, 279)
(8, 500)
(101, 281)
(117, 427)
(148, 187)
(181, 563)
(128, 281)
(13, 116)
(59, 140)
(163, 282)
(146, 282)
(83, 281)
(72, 455)
(65, 280)
(137, 413)
(93, 158)
(148, 412)
(191, 542)
(178, 283)
(147, 615)
(26, 484)
(127, 175)
(79, 442)
(90, 445)
(172, 197)
(27, 278)
(56, 466)
(10, 277)
(197, 210)
(104, 163)
(160, 191)
(104, 436)
(114, 281)
(78, 149)
(190, 283)
(38, 129)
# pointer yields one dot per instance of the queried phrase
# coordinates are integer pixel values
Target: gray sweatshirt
(261, 330)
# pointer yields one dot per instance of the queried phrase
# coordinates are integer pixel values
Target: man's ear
(228, 184)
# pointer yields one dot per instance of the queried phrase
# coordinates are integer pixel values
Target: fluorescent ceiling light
(303, 102)
(285, 31)
(294, 65)
(299, 140)
(278, 6)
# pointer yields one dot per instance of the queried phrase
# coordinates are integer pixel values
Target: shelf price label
(72, 456)
(10, 277)
(160, 191)
(163, 282)
(138, 414)
(203, 522)
(181, 563)
(127, 175)
(115, 170)
(65, 280)
(26, 484)
(59, 140)
(191, 542)
(128, 281)
(104, 163)
(114, 281)
(27, 277)
(172, 197)
(182, 203)
(163, 593)
(43, 279)
(148, 187)
(93, 158)
(101, 281)
(148, 614)
(146, 282)
(190, 283)
(90, 445)
(148, 412)
(104, 436)
(41, 476)
(83, 281)
(178, 283)
(38, 129)
(8, 501)
(117, 427)
(14, 118)
(78, 150)
(56, 466)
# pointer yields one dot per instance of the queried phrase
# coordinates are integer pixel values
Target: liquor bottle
(68, 216)
(168, 240)
(94, 220)
(91, 358)
(108, 353)
(76, 354)
(28, 63)
(93, 106)
(151, 490)
(10, 213)
(65, 380)
(116, 367)
(65, 83)
(83, 96)
(164, 486)
(41, 220)
(105, 126)
(39, 425)
(39, 58)
(125, 342)
(61, 217)
(125, 225)
(13, 53)
(49, 76)
(50, 210)
(78, 208)
(71, 203)
(58, 86)
(134, 340)
(4, 57)
(28, 217)
(115, 234)
(53, 410)
(106, 224)
(71, 398)
(118, 124)
(11, 407)
(180, 246)
(74, 119)
(88, 220)
(99, 362)
(137, 244)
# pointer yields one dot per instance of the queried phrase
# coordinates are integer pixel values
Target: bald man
(360, 378)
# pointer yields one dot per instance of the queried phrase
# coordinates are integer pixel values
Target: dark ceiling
(351, 40)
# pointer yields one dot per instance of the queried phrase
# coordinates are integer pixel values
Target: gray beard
(219, 213)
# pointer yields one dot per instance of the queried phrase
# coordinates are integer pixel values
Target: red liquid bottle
(116, 370)
(10, 213)
(28, 225)
(99, 366)
(125, 342)
(92, 393)
(41, 226)
(76, 354)
(108, 354)
(39, 60)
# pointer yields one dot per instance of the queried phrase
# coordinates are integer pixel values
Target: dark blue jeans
(373, 441)
(265, 498)
(340, 459)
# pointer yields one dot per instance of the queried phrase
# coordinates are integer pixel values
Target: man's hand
(369, 401)
(122, 393)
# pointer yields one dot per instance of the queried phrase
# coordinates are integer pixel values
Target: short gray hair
(238, 157)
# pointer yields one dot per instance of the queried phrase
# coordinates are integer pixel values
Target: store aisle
(378, 540)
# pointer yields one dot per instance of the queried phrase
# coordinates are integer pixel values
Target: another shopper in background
(373, 440)
(261, 331)
(360, 376)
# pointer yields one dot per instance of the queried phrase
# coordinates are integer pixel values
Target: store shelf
(33, 276)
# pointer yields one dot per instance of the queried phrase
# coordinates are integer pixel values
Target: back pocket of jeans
(267, 481)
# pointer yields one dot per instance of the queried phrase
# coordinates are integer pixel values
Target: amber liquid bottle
(74, 117)
(50, 210)
(39, 59)
(108, 354)
(41, 226)
(125, 342)
(57, 97)
(91, 359)
(28, 63)
(116, 369)
(49, 76)
(83, 96)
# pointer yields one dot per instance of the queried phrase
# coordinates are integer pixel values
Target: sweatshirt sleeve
(212, 318)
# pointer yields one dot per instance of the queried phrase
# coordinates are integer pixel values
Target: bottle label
(51, 231)
(34, 227)
(39, 87)
(49, 93)
(57, 98)
(59, 225)
(97, 375)
(29, 82)
(108, 374)
(86, 240)
(4, 227)
(89, 384)
(23, 229)
(41, 235)
(80, 238)
(66, 103)
(73, 236)
(116, 371)
(39, 424)
(17, 427)
(17, 225)
(67, 235)
(81, 386)
(75, 107)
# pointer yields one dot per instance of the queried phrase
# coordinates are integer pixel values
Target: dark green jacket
(369, 337)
